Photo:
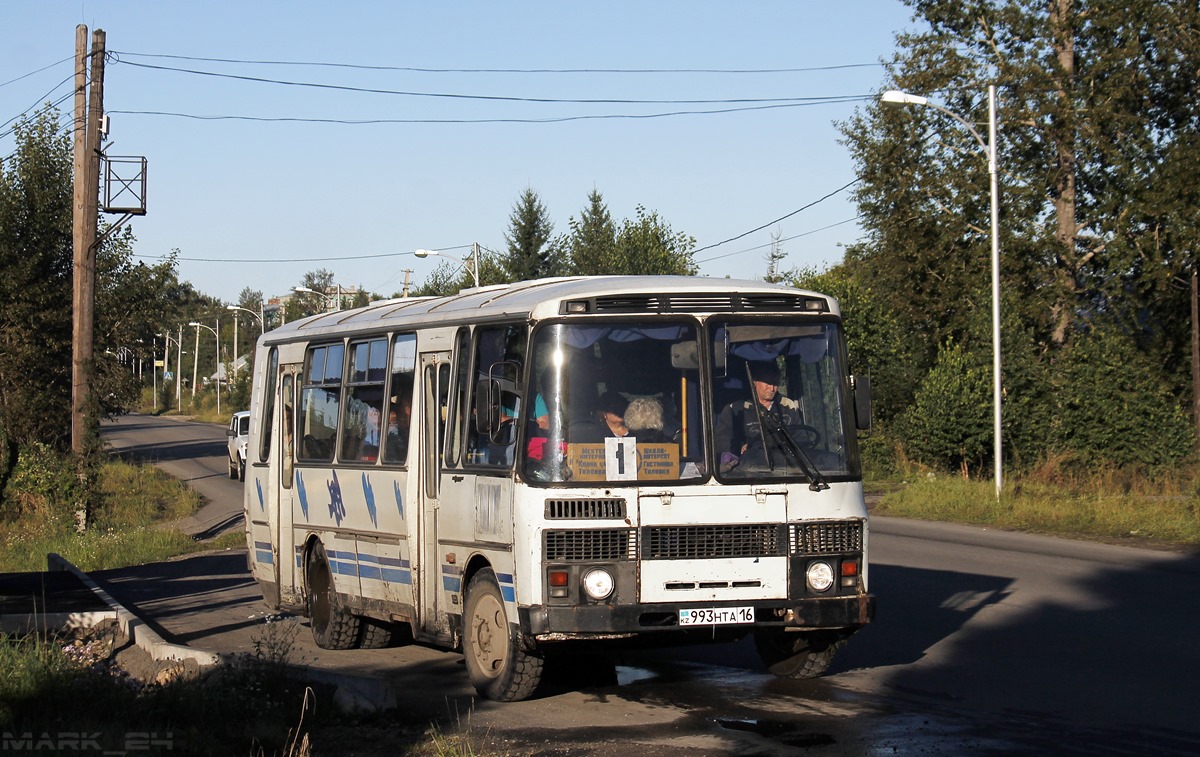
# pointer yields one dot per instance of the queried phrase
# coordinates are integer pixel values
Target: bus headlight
(819, 575)
(598, 583)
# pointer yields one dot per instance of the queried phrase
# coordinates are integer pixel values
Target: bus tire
(333, 626)
(499, 666)
(792, 654)
(376, 634)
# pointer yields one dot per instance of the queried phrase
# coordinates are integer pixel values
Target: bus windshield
(778, 396)
(615, 401)
(624, 401)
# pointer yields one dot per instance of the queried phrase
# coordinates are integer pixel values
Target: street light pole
(216, 334)
(895, 97)
(261, 327)
(472, 266)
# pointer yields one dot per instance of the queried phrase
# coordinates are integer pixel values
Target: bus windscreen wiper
(770, 423)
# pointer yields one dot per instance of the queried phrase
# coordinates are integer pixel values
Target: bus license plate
(716, 616)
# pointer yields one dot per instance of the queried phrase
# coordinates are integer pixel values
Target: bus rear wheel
(333, 626)
(794, 654)
(497, 663)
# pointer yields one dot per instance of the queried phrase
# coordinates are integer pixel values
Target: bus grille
(590, 544)
(692, 542)
(834, 537)
(577, 509)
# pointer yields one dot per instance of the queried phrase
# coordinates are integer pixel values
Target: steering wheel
(805, 435)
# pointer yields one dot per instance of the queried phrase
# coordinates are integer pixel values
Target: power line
(777, 220)
(31, 73)
(784, 239)
(546, 120)
(303, 260)
(490, 98)
(415, 69)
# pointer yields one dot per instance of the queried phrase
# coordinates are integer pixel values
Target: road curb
(134, 628)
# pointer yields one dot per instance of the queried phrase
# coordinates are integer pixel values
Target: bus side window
(320, 396)
(267, 421)
(400, 391)
(457, 416)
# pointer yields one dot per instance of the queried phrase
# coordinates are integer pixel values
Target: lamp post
(178, 360)
(261, 328)
(895, 97)
(216, 334)
(472, 265)
(338, 302)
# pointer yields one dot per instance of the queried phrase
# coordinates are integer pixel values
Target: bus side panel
(376, 510)
(319, 507)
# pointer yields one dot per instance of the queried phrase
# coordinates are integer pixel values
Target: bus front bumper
(548, 623)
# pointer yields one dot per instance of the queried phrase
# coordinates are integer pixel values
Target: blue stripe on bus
(264, 556)
(451, 584)
(397, 576)
(509, 593)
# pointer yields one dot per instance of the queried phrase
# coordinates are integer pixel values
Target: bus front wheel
(333, 626)
(499, 667)
(792, 654)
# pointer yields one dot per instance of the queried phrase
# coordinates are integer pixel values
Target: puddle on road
(778, 730)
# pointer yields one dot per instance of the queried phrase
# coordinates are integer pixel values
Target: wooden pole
(87, 198)
(78, 239)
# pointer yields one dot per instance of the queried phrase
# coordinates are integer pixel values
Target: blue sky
(293, 192)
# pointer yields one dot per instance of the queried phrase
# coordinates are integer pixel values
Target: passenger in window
(370, 444)
(609, 420)
(644, 418)
(399, 415)
(739, 438)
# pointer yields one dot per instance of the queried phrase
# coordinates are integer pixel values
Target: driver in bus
(739, 438)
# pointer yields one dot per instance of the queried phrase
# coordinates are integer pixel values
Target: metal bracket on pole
(124, 185)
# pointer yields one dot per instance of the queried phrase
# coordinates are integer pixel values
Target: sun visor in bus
(685, 356)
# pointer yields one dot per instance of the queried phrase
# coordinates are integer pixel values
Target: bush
(1114, 406)
(43, 488)
(949, 424)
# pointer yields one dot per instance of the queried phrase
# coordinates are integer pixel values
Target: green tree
(36, 257)
(878, 339)
(591, 245)
(1098, 122)
(530, 253)
(647, 245)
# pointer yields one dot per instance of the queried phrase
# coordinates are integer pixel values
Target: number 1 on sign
(620, 458)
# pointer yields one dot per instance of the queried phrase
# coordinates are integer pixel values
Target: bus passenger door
(285, 535)
(435, 396)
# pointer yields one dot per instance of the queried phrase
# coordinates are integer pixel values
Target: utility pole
(86, 212)
(1196, 353)
(407, 273)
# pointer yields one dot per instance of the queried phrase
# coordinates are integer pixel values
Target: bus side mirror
(487, 406)
(862, 402)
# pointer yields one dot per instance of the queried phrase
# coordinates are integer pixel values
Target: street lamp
(472, 266)
(216, 334)
(178, 361)
(897, 98)
(261, 327)
(327, 297)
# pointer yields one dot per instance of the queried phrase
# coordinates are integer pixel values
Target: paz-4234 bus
(524, 470)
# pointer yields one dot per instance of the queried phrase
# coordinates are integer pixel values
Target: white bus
(535, 468)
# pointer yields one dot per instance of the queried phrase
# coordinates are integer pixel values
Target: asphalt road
(985, 642)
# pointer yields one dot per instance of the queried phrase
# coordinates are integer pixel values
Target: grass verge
(65, 693)
(1104, 507)
(133, 509)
